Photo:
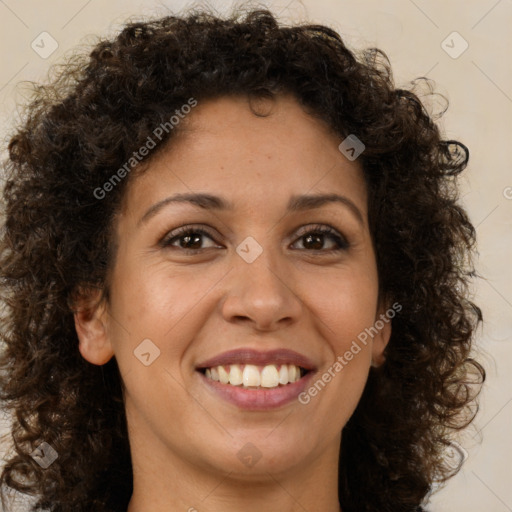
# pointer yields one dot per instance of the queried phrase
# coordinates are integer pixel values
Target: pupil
(190, 240)
(316, 238)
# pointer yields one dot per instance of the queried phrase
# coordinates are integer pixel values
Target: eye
(188, 238)
(314, 238)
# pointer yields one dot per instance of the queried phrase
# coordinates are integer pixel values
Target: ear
(91, 324)
(381, 339)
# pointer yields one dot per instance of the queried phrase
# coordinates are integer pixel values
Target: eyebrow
(211, 202)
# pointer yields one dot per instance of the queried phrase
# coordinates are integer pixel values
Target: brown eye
(314, 239)
(187, 238)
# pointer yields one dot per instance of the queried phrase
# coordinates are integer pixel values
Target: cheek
(144, 293)
(153, 302)
(148, 303)
(344, 303)
(343, 306)
(342, 315)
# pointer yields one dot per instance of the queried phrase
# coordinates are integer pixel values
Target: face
(259, 277)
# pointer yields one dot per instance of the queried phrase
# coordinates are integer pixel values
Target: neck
(232, 496)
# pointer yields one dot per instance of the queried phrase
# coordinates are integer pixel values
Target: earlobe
(381, 340)
(91, 325)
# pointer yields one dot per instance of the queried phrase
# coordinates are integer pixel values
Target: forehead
(253, 151)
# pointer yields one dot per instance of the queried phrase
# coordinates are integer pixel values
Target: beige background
(478, 83)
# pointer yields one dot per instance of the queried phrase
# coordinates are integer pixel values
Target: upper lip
(255, 357)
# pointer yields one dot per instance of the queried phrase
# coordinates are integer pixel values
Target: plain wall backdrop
(464, 47)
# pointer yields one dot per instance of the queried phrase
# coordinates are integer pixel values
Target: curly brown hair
(58, 239)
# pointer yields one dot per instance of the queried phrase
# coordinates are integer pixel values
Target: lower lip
(258, 399)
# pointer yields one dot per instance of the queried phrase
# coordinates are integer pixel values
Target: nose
(261, 294)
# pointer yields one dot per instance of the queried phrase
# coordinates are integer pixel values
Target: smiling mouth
(251, 376)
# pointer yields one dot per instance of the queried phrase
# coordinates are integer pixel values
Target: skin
(184, 439)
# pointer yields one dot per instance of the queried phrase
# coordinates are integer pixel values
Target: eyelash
(179, 233)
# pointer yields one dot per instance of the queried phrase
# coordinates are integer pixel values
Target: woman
(235, 274)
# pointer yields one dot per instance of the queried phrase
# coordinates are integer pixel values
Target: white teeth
(249, 375)
(283, 374)
(269, 377)
(223, 375)
(292, 373)
(235, 375)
